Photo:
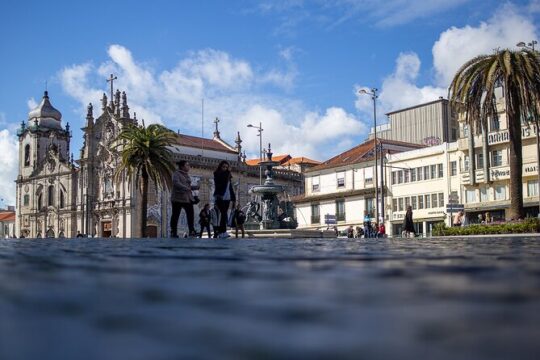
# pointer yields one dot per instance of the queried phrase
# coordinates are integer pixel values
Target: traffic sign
(330, 219)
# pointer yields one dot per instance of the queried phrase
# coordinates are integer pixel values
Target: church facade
(60, 197)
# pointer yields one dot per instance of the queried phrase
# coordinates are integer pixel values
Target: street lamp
(260, 130)
(374, 96)
(530, 46)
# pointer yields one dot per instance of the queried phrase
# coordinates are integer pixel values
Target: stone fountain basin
(266, 189)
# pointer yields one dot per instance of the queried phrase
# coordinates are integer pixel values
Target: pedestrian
(367, 224)
(239, 218)
(408, 224)
(382, 230)
(350, 232)
(215, 219)
(79, 235)
(204, 220)
(488, 217)
(458, 218)
(182, 198)
(359, 232)
(223, 195)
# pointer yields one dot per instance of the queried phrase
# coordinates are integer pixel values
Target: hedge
(529, 225)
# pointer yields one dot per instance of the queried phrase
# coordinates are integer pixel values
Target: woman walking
(182, 198)
(408, 224)
(223, 195)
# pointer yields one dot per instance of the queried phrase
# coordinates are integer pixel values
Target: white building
(344, 186)
(424, 179)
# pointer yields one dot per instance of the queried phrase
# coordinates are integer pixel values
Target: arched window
(62, 202)
(40, 202)
(51, 195)
(27, 155)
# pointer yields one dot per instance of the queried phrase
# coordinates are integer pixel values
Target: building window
(453, 168)
(466, 163)
(406, 176)
(470, 195)
(394, 205)
(495, 123)
(441, 199)
(420, 201)
(420, 174)
(27, 155)
(433, 169)
(51, 195)
(394, 177)
(407, 202)
(400, 176)
(440, 171)
(532, 188)
(413, 175)
(427, 201)
(400, 204)
(496, 158)
(315, 187)
(340, 210)
(370, 207)
(426, 173)
(40, 201)
(483, 194)
(434, 199)
(413, 202)
(479, 161)
(465, 130)
(454, 134)
(340, 179)
(62, 202)
(500, 192)
(368, 175)
(26, 200)
(315, 214)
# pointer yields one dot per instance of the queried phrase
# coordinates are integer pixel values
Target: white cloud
(8, 163)
(399, 89)
(232, 89)
(32, 103)
(455, 46)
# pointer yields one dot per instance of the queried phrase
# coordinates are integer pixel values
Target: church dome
(45, 110)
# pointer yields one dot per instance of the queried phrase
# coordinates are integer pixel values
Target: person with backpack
(223, 195)
(239, 218)
(204, 220)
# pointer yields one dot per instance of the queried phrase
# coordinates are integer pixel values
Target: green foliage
(529, 225)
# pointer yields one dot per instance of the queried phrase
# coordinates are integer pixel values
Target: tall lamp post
(260, 130)
(530, 46)
(374, 96)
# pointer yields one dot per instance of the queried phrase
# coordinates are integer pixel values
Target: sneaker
(224, 235)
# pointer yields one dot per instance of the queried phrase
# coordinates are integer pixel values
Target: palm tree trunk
(144, 203)
(516, 165)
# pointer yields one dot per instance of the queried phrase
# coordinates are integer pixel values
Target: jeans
(207, 227)
(223, 206)
(176, 209)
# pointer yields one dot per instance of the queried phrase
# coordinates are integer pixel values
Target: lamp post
(260, 130)
(374, 96)
(530, 46)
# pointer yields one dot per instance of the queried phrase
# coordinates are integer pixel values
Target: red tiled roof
(7, 216)
(280, 158)
(364, 152)
(198, 142)
(301, 160)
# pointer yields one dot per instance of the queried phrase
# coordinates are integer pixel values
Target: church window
(26, 200)
(27, 155)
(62, 200)
(51, 196)
(40, 201)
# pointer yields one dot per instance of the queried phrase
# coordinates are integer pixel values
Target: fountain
(270, 218)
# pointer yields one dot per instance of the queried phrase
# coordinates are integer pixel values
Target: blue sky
(294, 65)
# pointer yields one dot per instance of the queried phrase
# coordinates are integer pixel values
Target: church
(59, 197)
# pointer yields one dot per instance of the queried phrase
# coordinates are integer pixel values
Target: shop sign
(499, 174)
(504, 136)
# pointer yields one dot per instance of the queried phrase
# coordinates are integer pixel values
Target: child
(239, 218)
(215, 219)
(204, 220)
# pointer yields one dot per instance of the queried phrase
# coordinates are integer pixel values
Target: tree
(473, 90)
(145, 155)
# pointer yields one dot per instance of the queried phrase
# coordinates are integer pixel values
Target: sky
(295, 66)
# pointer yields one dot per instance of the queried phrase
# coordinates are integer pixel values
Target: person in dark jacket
(223, 193)
(182, 198)
(204, 220)
(408, 224)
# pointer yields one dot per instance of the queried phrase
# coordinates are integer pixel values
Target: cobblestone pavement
(236, 299)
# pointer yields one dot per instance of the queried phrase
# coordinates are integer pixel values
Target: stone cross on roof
(216, 132)
(111, 80)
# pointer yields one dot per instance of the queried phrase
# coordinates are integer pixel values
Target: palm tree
(473, 90)
(145, 154)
